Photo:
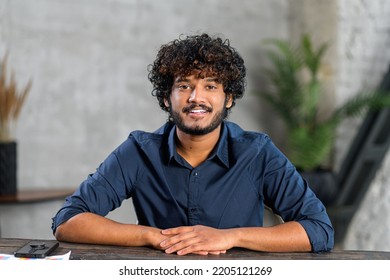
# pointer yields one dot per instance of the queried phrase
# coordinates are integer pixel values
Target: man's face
(198, 105)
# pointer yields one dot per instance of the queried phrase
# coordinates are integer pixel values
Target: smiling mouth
(197, 109)
(198, 113)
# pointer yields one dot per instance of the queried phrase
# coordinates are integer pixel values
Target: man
(199, 184)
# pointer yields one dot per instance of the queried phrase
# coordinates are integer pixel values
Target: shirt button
(196, 173)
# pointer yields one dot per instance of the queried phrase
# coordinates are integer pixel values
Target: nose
(196, 95)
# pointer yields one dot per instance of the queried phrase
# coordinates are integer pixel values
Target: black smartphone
(36, 249)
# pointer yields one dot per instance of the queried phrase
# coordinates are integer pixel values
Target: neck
(196, 148)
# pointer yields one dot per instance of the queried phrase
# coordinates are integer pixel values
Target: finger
(190, 246)
(196, 249)
(189, 250)
(217, 252)
(202, 253)
(184, 239)
(177, 230)
(186, 246)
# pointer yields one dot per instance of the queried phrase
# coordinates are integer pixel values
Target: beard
(198, 130)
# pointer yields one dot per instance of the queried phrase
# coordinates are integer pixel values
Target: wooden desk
(100, 252)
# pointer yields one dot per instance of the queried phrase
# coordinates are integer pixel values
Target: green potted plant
(11, 102)
(295, 94)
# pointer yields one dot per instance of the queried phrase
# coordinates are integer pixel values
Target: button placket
(193, 197)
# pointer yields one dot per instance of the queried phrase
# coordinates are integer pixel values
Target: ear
(229, 100)
(166, 102)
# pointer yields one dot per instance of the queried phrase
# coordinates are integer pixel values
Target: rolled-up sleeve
(99, 193)
(290, 196)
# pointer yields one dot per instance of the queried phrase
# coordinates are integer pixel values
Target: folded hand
(197, 239)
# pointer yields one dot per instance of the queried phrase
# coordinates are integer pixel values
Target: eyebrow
(181, 79)
(211, 79)
(185, 79)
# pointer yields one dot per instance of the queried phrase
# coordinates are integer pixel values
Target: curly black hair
(211, 56)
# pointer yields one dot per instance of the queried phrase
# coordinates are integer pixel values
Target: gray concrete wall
(364, 58)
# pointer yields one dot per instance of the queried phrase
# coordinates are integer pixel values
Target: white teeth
(198, 111)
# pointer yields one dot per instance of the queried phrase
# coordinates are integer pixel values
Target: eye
(183, 86)
(211, 87)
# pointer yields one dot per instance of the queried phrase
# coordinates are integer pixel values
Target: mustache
(199, 106)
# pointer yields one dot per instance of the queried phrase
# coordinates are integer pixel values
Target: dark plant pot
(323, 183)
(8, 164)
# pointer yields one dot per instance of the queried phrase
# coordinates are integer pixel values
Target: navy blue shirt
(244, 173)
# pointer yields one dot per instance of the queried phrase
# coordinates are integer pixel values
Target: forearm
(286, 237)
(94, 229)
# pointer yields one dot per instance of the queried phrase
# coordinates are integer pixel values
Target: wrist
(150, 236)
(233, 237)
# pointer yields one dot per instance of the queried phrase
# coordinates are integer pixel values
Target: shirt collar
(220, 151)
